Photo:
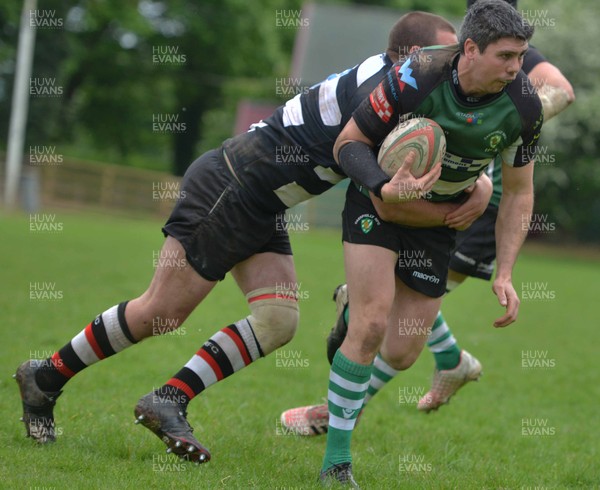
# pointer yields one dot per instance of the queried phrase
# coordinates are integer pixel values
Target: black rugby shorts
(423, 253)
(217, 222)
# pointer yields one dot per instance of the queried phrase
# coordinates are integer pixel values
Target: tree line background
(103, 58)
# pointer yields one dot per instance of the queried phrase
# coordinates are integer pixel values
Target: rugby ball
(420, 134)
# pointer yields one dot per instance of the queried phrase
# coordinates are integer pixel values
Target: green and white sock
(348, 382)
(442, 345)
(382, 374)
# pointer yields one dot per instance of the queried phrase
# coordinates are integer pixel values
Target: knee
(402, 363)
(401, 354)
(274, 319)
(365, 337)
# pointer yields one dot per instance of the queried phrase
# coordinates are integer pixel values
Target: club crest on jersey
(495, 141)
(406, 78)
(366, 222)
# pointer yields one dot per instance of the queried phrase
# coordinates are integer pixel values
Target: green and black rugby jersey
(477, 129)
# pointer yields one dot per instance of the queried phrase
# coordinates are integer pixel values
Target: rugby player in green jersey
(473, 256)
(483, 75)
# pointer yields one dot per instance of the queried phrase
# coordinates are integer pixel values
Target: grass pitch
(529, 423)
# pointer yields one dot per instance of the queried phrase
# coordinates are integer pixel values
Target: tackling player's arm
(420, 214)
(554, 90)
(480, 194)
(426, 214)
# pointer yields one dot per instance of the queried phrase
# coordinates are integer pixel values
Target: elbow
(570, 95)
(336, 151)
(568, 88)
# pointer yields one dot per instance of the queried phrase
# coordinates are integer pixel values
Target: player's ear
(471, 49)
(414, 48)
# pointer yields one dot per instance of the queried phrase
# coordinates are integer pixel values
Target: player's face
(499, 64)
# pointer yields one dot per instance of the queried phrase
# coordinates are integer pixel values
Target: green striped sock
(382, 374)
(442, 345)
(348, 383)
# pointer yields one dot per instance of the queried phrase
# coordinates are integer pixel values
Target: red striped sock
(107, 335)
(226, 352)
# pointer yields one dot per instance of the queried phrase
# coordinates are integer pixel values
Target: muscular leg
(404, 337)
(265, 270)
(401, 346)
(371, 285)
(398, 352)
(269, 282)
(175, 290)
(441, 342)
(412, 314)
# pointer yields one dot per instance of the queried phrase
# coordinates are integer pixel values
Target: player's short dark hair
(416, 29)
(487, 21)
(512, 2)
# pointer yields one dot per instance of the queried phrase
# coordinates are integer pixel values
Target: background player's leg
(404, 338)
(454, 367)
(441, 343)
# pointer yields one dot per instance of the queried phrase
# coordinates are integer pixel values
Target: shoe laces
(342, 471)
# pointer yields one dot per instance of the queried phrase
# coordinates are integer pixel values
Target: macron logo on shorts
(426, 277)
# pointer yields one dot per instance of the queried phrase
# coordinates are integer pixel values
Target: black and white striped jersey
(288, 157)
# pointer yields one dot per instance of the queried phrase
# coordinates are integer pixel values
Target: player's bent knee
(402, 358)
(366, 337)
(274, 317)
(403, 363)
